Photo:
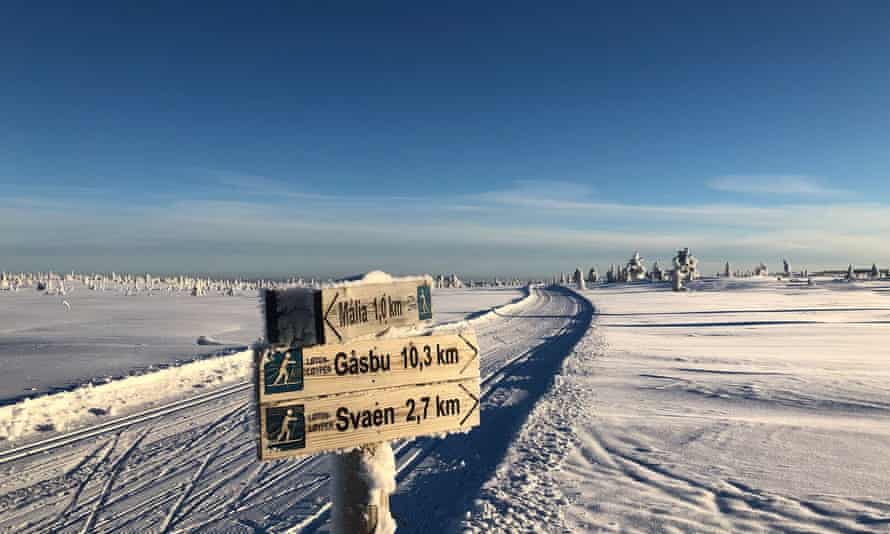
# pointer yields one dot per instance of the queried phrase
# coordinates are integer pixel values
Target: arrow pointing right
(475, 405)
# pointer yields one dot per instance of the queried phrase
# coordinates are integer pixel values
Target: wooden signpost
(324, 383)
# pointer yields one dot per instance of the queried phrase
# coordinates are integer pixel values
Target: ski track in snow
(724, 424)
(195, 469)
(647, 433)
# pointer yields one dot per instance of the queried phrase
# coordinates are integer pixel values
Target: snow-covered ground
(455, 304)
(97, 402)
(107, 333)
(740, 406)
(44, 346)
(192, 462)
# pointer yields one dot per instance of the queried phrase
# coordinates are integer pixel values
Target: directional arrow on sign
(297, 373)
(475, 405)
(328, 322)
(472, 346)
(300, 317)
(355, 311)
(308, 426)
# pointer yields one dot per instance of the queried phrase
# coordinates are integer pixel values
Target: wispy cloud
(255, 184)
(473, 234)
(542, 188)
(775, 184)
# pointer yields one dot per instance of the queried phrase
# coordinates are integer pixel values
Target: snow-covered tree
(579, 278)
(635, 270)
(657, 273)
(685, 268)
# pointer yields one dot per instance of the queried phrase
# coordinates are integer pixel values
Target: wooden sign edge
(468, 336)
(474, 415)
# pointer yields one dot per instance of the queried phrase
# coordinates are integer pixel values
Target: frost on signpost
(363, 481)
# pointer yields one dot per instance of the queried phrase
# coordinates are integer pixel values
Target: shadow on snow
(444, 480)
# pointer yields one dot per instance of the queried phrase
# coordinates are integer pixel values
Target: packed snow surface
(110, 334)
(740, 406)
(95, 401)
(190, 465)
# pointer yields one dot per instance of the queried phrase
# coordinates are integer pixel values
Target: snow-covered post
(296, 400)
(579, 278)
(363, 481)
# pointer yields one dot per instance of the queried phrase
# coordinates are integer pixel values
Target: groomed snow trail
(195, 469)
(660, 424)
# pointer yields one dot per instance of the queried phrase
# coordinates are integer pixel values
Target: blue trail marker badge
(424, 303)
(285, 427)
(282, 371)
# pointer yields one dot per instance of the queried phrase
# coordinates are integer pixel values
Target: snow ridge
(64, 411)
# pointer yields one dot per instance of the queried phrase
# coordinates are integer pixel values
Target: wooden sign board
(303, 317)
(297, 428)
(298, 373)
(354, 311)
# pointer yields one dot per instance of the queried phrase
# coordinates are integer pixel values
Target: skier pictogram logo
(286, 427)
(283, 371)
(424, 303)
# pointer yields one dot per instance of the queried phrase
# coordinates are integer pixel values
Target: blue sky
(483, 138)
